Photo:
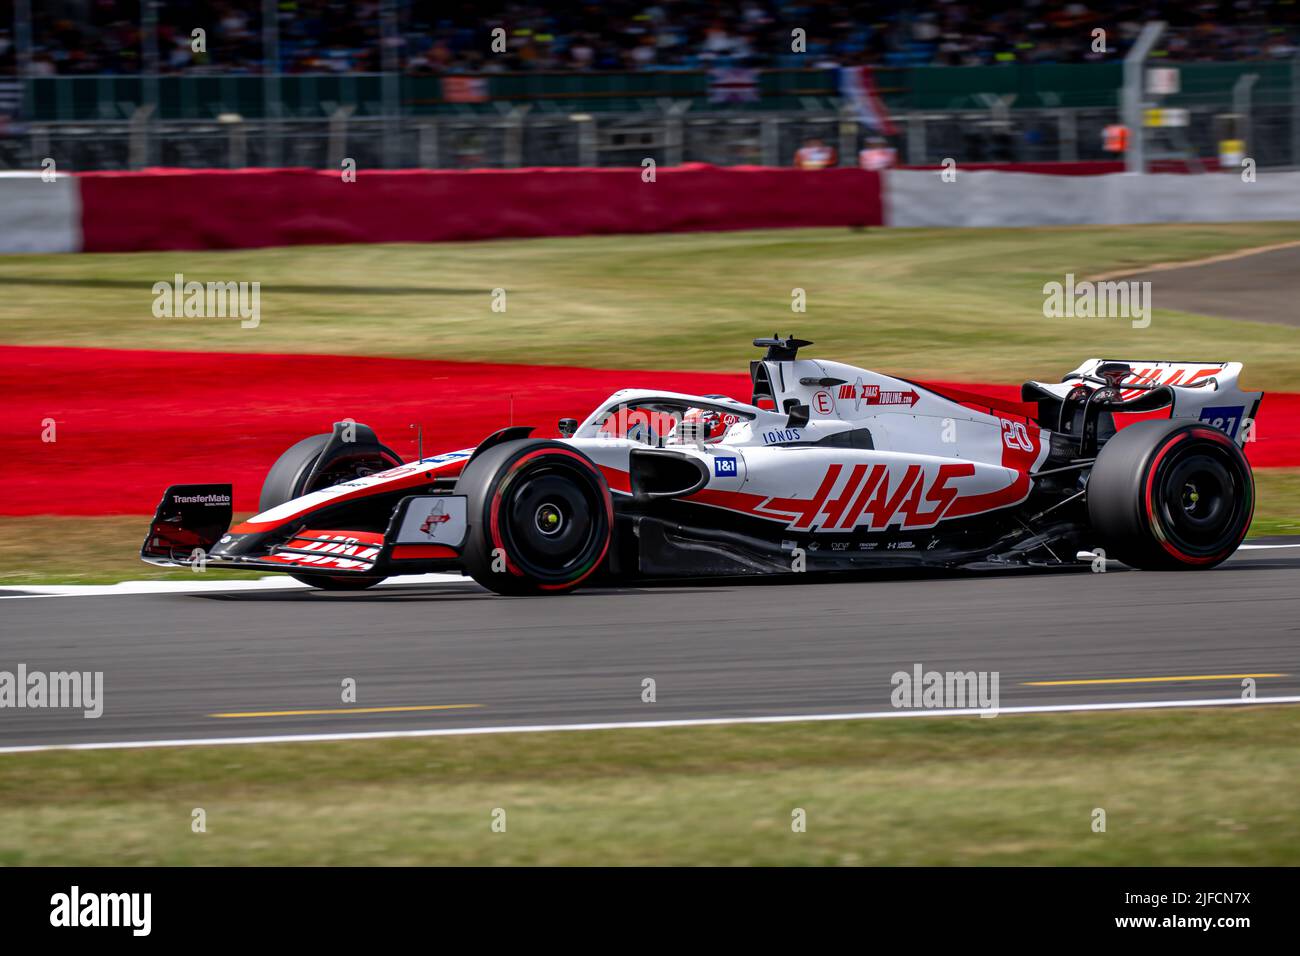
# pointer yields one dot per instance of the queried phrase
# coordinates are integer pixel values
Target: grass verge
(1178, 787)
(956, 303)
(101, 549)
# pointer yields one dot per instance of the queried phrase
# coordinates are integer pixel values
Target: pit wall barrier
(168, 209)
(176, 209)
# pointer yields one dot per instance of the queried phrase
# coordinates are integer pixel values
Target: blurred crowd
(440, 36)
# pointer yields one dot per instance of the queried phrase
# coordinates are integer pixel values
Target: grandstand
(416, 83)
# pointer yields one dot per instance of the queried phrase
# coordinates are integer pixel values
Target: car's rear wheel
(541, 517)
(292, 477)
(1170, 495)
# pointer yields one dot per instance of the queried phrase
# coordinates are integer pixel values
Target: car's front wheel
(541, 518)
(295, 474)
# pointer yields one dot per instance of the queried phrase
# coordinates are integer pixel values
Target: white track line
(268, 583)
(643, 724)
(283, 582)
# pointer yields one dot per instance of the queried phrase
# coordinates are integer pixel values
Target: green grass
(54, 549)
(1277, 505)
(1178, 788)
(964, 304)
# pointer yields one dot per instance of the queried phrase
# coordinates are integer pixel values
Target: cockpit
(663, 421)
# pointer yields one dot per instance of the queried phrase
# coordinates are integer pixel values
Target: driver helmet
(714, 423)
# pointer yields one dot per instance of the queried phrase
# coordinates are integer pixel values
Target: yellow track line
(345, 710)
(1144, 680)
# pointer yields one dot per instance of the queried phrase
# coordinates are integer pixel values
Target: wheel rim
(552, 519)
(1203, 501)
(549, 519)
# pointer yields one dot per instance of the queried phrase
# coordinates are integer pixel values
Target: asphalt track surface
(172, 661)
(1260, 287)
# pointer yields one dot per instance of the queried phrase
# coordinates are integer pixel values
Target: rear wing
(1198, 391)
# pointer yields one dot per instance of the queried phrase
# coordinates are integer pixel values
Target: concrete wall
(39, 216)
(921, 198)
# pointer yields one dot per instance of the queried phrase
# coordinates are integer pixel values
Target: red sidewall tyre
(287, 480)
(541, 517)
(1171, 495)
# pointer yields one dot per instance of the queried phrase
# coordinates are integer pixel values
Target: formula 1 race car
(826, 468)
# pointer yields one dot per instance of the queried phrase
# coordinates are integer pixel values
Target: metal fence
(1011, 113)
(670, 137)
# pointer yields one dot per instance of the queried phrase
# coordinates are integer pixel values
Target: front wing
(191, 528)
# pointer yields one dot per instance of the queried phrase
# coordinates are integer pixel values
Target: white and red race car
(826, 468)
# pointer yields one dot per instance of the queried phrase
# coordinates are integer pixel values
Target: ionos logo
(724, 467)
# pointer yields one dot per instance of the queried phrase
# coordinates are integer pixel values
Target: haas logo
(436, 516)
